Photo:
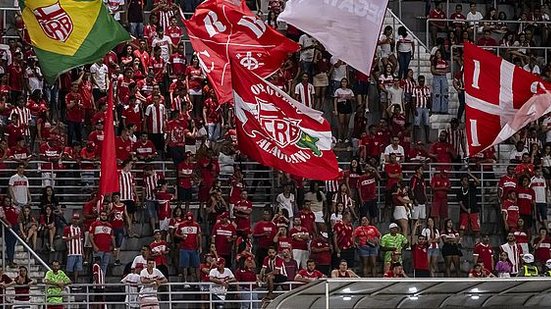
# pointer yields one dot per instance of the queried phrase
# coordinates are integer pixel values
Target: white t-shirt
(286, 203)
(516, 155)
(338, 72)
(343, 94)
(399, 151)
(335, 218)
(538, 185)
(139, 260)
(384, 49)
(20, 185)
(475, 16)
(149, 290)
(396, 95)
(115, 7)
(132, 282)
(164, 43)
(535, 69)
(306, 41)
(217, 289)
(99, 73)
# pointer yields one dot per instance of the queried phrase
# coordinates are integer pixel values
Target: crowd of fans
(165, 109)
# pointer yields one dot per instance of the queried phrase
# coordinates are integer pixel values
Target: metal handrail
(30, 251)
(427, 22)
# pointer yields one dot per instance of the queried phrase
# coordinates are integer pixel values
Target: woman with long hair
(432, 235)
(48, 197)
(402, 207)
(352, 175)
(405, 45)
(28, 227)
(342, 108)
(48, 226)
(343, 196)
(440, 88)
(385, 82)
(22, 286)
(194, 84)
(450, 248)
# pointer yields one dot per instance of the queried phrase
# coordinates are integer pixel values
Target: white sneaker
(187, 286)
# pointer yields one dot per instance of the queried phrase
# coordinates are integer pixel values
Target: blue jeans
(440, 94)
(105, 259)
(74, 132)
(403, 61)
(10, 243)
(213, 131)
(136, 29)
(461, 109)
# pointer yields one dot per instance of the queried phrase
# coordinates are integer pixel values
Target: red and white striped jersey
(305, 93)
(21, 116)
(529, 141)
(98, 276)
(409, 85)
(457, 139)
(156, 118)
(150, 185)
(74, 245)
(126, 185)
(421, 96)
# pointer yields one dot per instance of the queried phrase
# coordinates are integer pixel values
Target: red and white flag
(349, 30)
(224, 32)
(500, 98)
(278, 131)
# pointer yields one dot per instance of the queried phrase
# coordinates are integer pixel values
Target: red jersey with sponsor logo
(178, 63)
(158, 66)
(344, 235)
(75, 113)
(392, 168)
(525, 200)
(316, 274)
(367, 187)
(223, 237)
(102, 233)
(157, 249)
(284, 242)
(507, 184)
(175, 34)
(117, 215)
(163, 199)
(307, 220)
(420, 256)
(511, 210)
(296, 234)
(144, 150)
(542, 252)
(189, 231)
(187, 170)
(177, 131)
(244, 220)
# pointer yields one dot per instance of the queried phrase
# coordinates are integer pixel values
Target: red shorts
(439, 208)
(465, 218)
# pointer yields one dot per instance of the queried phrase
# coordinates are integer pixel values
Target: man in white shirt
(474, 15)
(304, 91)
(100, 79)
(140, 261)
(151, 278)
(516, 154)
(164, 42)
(532, 67)
(221, 277)
(394, 148)
(537, 183)
(340, 71)
(19, 187)
(307, 48)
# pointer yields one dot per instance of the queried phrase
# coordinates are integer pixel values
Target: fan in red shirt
(123, 143)
(310, 273)
(525, 167)
(186, 169)
(176, 137)
(158, 65)
(189, 231)
(397, 271)
(178, 61)
(242, 211)
(97, 136)
(264, 231)
(123, 86)
(209, 172)
(510, 211)
(366, 238)
(393, 171)
(320, 250)
(159, 251)
(15, 76)
(75, 114)
(418, 154)
(224, 235)
(119, 219)
(308, 218)
(102, 238)
(441, 185)
(526, 199)
(479, 271)
(50, 151)
(367, 188)
(542, 246)
(132, 114)
(483, 253)
(246, 272)
(174, 32)
(144, 148)
(420, 256)
(507, 183)
(237, 185)
(163, 198)
(442, 151)
(282, 239)
(343, 239)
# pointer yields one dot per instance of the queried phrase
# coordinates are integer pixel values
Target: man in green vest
(528, 269)
(56, 280)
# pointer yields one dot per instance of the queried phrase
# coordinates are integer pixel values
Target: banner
(109, 178)
(276, 130)
(500, 98)
(349, 30)
(66, 34)
(224, 32)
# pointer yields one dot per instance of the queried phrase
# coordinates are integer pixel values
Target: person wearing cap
(189, 231)
(224, 235)
(529, 269)
(73, 237)
(441, 186)
(392, 242)
(397, 271)
(221, 277)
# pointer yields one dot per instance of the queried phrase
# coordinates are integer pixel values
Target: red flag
(276, 130)
(223, 32)
(109, 179)
(495, 92)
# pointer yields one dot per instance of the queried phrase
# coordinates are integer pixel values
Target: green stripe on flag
(104, 36)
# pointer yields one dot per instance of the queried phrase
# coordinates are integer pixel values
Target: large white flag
(349, 29)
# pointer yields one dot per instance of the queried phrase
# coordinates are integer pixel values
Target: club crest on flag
(54, 21)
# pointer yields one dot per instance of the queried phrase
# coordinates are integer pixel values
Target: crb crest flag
(69, 33)
(276, 130)
(225, 32)
(500, 98)
(349, 30)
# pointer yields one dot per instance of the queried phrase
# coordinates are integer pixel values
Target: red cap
(221, 261)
